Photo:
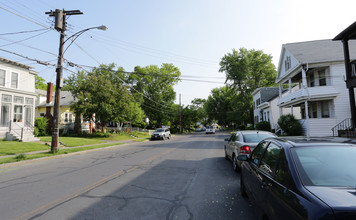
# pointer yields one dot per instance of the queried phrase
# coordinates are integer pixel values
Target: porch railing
(16, 129)
(344, 128)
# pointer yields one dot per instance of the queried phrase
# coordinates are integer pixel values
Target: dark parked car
(300, 179)
(243, 142)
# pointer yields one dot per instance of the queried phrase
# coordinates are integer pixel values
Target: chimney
(49, 92)
(48, 107)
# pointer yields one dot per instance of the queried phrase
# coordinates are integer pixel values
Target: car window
(233, 137)
(160, 130)
(283, 174)
(258, 151)
(255, 138)
(270, 158)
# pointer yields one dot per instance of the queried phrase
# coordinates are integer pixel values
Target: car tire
(235, 167)
(163, 137)
(242, 188)
(169, 137)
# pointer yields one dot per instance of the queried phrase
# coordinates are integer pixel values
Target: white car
(210, 130)
(161, 134)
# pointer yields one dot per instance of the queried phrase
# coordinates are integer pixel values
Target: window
(18, 100)
(257, 152)
(14, 80)
(68, 117)
(2, 77)
(18, 113)
(322, 78)
(283, 175)
(313, 110)
(6, 98)
(325, 113)
(311, 80)
(42, 114)
(270, 158)
(287, 63)
(29, 101)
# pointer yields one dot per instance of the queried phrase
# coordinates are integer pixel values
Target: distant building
(17, 100)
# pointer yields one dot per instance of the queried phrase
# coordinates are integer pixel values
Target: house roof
(319, 51)
(15, 63)
(348, 34)
(66, 100)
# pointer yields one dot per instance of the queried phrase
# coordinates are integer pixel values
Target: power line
(25, 39)
(23, 32)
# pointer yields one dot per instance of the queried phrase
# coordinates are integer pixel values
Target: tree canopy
(247, 70)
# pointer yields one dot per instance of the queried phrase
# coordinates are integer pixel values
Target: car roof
(254, 132)
(308, 142)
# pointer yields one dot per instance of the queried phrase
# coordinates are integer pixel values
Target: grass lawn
(15, 147)
(49, 154)
(74, 141)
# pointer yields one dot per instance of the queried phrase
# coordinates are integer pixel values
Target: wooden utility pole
(60, 24)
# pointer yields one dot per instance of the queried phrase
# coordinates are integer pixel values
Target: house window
(18, 113)
(18, 100)
(29, 101)
(68, 117)
(2, 77)
(313, 110)
(322, 78)
(6, 98)
(325, 112)
(311, 80)
(14, 80)
(42, 114)
(287, 63)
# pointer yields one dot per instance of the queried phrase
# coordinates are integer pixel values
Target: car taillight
(245, 149)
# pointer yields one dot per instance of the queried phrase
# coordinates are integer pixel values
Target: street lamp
(60, 21)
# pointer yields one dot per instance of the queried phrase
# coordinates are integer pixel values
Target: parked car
(243, 142)
(161, 133)
(210, 130)
(198, 129)
(299, 179)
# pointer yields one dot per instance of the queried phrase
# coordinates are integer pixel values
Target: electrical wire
(16, 42)
(23, 32)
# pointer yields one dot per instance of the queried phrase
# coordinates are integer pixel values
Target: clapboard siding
(318, 127)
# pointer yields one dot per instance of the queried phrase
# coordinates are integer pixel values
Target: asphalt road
(186, 177)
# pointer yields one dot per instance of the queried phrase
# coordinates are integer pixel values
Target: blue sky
(192, 34)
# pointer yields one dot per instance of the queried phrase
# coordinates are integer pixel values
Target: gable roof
(320, 51)
(66, 99)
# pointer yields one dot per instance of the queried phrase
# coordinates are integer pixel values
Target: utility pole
(180, 115)
(60, 25)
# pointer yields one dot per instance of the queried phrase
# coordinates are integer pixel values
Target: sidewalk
(64, 147)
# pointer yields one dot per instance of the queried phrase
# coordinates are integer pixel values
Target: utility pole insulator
(58, 21)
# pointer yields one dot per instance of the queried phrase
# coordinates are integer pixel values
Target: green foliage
(40, 126)
(263, 126)
(152, 87)
(290, 125)
(247, 70)
(20, 157)
(40, 83)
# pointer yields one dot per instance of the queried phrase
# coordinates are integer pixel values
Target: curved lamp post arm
(76, 35)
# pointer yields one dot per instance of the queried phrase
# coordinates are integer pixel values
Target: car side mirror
(242, 157)
(226, 139)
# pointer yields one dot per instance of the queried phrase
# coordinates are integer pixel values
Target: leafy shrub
(263, 126)
(250, 127)
(290, 125)
(40, 126)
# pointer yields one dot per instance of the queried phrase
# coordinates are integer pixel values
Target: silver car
(161, 134)
(243, 142)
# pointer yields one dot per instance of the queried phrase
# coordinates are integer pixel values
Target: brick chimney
(48, 107)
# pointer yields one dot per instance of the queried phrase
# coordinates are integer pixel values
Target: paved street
(186, 177)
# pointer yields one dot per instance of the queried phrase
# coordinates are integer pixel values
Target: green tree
(152, 86)
(247, 70)
(40, 83)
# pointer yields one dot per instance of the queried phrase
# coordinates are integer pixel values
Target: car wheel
(163, 137)
(234, 163)
(242, 187)
(169, 137)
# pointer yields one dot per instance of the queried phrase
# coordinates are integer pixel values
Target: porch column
(307, 118)
(304, 78)
(291, 110)
(280, 96)
(290, 85)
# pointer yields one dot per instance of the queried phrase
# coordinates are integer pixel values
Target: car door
(282, 198)
(252, 181)
(230, 145)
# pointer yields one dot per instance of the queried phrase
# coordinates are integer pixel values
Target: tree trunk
(77, 124)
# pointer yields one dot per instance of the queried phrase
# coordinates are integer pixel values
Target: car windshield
(160, 130)
(326, 166)
(256, 138)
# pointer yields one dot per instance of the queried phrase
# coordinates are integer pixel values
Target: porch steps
(15, 134)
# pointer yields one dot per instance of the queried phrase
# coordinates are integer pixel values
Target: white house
(17, 100)
(318, 68)
(266, 109)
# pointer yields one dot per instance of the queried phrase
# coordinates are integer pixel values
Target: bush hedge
(263, 126)
(290, 125)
